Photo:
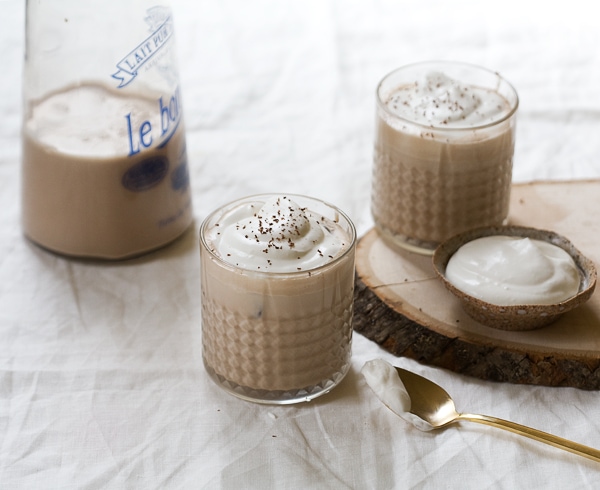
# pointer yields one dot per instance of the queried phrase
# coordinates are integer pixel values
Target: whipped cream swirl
(505, 270)
(442, 102)
(278, 236)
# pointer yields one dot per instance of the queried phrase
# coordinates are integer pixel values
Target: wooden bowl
(516, 317)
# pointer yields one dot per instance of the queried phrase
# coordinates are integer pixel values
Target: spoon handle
(538, 435)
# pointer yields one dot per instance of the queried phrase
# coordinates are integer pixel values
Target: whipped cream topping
(278, 236)
(442, 102)
(383, 379)
(505, 270)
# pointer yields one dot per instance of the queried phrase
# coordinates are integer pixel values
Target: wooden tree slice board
(404, 307)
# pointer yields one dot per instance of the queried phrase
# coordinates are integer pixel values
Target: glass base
(396, 240)
(278, 397)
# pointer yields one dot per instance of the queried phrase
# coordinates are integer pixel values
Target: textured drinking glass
(432, 181)
(277, 337)
(104, 170)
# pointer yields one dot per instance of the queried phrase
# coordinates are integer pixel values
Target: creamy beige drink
(104, 175)
(444, 146)
(277, 295)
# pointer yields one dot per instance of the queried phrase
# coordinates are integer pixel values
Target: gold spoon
(431, 403)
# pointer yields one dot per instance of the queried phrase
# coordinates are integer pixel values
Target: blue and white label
(148, 134)
(155, 132)
(146, 174)
(161, 28)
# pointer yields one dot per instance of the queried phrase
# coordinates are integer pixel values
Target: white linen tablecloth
(101, 378)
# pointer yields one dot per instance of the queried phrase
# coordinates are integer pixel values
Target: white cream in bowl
(512, 270)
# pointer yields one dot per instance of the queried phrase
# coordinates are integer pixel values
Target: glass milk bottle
(104, 166)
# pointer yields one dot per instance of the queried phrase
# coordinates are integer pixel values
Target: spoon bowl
(433, 404)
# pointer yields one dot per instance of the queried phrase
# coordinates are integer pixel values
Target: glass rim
(275, 274)
(381, 105)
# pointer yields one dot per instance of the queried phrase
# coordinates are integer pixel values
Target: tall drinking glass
(277, 297)
(444, 144)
